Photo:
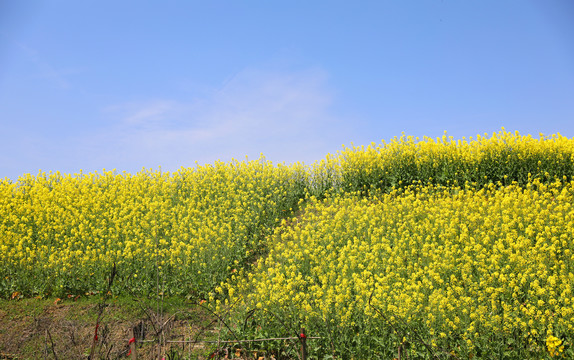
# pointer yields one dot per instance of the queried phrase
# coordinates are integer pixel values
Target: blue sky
(131, 84)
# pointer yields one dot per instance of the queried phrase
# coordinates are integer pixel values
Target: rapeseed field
(412, 248)
(61, 234)
(464, 271)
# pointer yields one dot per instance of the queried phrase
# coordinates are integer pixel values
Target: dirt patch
(41, 329)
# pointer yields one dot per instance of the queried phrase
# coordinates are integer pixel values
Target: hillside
(432, 248)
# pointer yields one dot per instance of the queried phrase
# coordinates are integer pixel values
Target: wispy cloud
(142, 114)
(287, 116)
(43, 68)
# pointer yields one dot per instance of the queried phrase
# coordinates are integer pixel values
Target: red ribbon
(96, 332)
(132, 340)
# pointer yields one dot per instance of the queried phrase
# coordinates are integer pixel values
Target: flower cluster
(554, 344)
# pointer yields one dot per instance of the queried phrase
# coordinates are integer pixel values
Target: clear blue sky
(132, 84)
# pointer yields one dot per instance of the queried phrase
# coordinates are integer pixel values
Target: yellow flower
(554, 345)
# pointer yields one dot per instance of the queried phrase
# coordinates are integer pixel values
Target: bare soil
(56, 329)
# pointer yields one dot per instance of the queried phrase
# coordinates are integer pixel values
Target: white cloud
(143, 114)
(285, 116)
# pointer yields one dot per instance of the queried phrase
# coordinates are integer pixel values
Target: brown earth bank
(66, 329)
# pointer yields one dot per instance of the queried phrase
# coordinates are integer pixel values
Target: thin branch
(220, 319)
(101, 308)
(428, 347)
(52, 342)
